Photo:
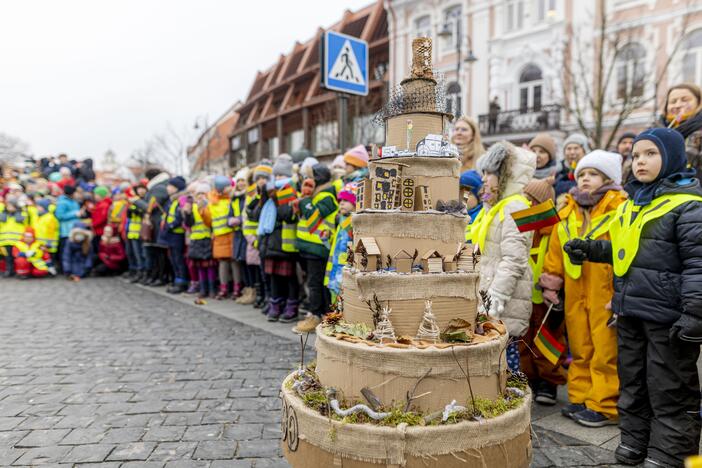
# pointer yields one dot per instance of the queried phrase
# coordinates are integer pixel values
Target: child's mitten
(687, 328)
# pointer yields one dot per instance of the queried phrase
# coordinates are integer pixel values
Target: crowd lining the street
(275, 236)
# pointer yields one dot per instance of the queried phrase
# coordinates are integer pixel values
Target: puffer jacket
(504, 263)
(665, 278)
(158, 196)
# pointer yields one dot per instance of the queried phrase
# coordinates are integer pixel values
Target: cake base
(311, 440)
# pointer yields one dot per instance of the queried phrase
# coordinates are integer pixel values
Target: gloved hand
(551, 297)
(295, 206)
(498, 302)
(578, 250)
(233, 221)
(687, 328)
(29, 253)
(307, 189)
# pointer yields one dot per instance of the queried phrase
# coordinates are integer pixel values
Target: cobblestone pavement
(103, 372)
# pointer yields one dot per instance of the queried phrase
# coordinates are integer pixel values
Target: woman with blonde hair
(682, 111)
(466, 137)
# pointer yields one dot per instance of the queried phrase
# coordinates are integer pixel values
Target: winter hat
(472, 180)
(307, 165)
(321, 174)
(55, 176)
(101, 190)
(178, 182)
(671, 145)
(202, 187)
(263, 170)
(540, 190)
(578, 139)
(242, 174)
(44, 203)
(221, 182)
(301, 154)
(357, 156)
(347, 195)
(625, 135)
(545, 141)
(69, 190)
(283, 166)
(338, 162)
(608, 163)
(29, 230)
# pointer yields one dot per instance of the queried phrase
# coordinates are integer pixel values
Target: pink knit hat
(357, 156)
(348, 196)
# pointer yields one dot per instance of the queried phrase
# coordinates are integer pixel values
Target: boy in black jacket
(656, 252)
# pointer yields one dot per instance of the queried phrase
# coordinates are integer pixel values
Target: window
(692, 57)
(530, 87)
(452, 24)
(515, 15)
(273, 147)
(252, 136)
(296, 140)
(453, 99)
(546, 9)
(236, 143)
(630, 71)
(326, 136)
(422, 27)
(366, 132)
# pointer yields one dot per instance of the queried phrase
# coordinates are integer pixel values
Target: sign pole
(343, 119)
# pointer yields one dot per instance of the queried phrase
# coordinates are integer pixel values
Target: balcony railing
(547, 117)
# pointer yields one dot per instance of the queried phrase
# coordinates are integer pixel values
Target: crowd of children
(617, 280)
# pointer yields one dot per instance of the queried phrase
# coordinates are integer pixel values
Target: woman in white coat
(504, 262)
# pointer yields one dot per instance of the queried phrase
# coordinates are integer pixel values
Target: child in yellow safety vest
(31, 259)
(13, 221)
(593, 387)
(46, 227)
(656, 256)
(248, 293)
(544, 376)
(200, 247)
(261, 175)
(339, 248)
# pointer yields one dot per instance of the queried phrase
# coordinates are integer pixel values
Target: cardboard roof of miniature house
(461, 251)
(369, 244)
(431, 254)
(402, 254)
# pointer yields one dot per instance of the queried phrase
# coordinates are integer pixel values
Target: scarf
(473, 212)
(546, 171)
(590, 199)
(688, 124)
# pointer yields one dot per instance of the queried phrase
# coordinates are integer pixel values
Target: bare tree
(167, 149)
(590, 73)
(12, 149)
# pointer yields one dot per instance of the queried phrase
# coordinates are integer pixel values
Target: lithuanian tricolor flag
(315, 220)
(286, 195)
(548, 345)
(536, 217)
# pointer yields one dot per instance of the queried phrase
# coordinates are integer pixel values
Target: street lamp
(447, 32)
(207, 143)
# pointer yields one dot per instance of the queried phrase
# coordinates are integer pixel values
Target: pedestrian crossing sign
(345, 63)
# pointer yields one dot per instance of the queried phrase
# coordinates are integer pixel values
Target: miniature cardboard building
(384, 185)
(402, 261)
(432, 262)
(450, 263)
(367, 254)
(364, 195)
(407, 191)
(464, 257)
(422, 201)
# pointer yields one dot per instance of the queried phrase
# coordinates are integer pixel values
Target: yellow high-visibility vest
(537, 267)
(626, 233)
(46, 228)
(569, 228)
(484, 219)
(11, 230)
(116, 211)
(134, 227)
(37, 257)
(199, 230)
(170, 218)
(250, 227)
(309, 229)
(220, 214)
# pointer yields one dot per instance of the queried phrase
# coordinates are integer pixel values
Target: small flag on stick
(286, 195)
(547, 344)
(537, 217)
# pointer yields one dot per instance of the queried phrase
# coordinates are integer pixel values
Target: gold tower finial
(421, 58)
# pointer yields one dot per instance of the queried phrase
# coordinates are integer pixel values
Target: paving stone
(232, 464)
(7, 423)
(188, 464)
(88, 453)
(9, 455)
(134, 451)
(215, 450)
(123, 435)
(164, 433)
(258, 448)
(42, 455)
(42, 438)
(208, 432)
(243, 431)
(166, 451)
(142, 464)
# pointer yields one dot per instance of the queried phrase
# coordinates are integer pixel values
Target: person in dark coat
(656, 252)
(153, 207)
(172, 233)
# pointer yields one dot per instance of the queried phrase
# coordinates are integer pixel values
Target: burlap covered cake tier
(430, 371)
(311, 440)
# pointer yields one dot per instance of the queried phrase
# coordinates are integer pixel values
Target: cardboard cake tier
(393, 372)
(396, 231)
(311, 440)
(453, 295)
(423, 124)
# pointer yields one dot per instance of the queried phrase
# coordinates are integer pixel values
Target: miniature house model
(367, 255)
(432, 262)
(402, 261)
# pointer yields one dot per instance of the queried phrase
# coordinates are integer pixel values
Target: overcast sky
(82, 76)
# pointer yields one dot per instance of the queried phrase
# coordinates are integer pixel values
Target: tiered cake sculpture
(409, 374)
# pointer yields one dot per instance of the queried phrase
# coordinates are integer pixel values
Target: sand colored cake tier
(453, 295)
(392, 372)
(311, 440)
(422, 124)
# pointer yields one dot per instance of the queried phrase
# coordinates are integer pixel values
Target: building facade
(211, 154)
(526, 56)
(287, 109)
